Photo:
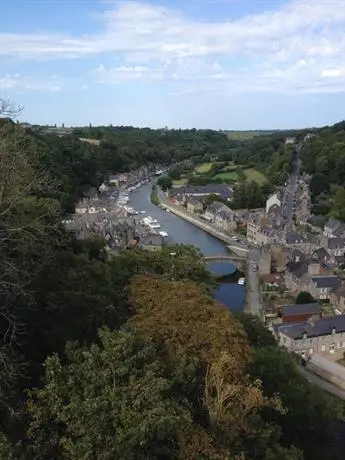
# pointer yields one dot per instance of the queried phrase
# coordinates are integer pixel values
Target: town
(293, 259)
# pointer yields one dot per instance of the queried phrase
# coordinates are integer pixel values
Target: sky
(219, 64)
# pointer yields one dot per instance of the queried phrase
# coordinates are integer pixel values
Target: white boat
(142, 212)
(163, 234)
(153, 225)
(241, 281)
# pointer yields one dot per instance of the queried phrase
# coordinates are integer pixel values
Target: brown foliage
(182, 315)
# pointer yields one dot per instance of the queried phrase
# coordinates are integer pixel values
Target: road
(253, 300)
(289, 198)
(327, 386)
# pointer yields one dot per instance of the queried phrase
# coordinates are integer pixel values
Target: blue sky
(222, 64)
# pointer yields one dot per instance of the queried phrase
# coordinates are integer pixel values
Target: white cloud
(16, 82)
(299, 44)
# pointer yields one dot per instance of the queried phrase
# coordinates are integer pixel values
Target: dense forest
(323, 156)
(130, 357)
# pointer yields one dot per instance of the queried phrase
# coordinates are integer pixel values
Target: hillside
(111, 358)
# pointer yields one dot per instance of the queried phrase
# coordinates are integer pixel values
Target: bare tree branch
(8, 109)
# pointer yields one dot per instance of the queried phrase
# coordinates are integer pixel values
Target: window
(323, 348)
(323, 290)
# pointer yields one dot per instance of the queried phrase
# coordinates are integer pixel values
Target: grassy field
(245, 135)
(180, 182)
(230, 176)
(203, 168)
(256, 176)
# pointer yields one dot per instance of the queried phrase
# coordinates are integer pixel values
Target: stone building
(314, 336)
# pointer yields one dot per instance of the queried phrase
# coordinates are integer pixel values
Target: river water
(180, 231)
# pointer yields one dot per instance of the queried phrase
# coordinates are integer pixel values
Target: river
(180, 231)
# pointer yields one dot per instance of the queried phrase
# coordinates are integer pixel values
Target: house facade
(322, 286)
(334, 228)
(314, 336)
(337, 298)
(300, 313)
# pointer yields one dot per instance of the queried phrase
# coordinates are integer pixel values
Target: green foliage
(258, 334)
(154, 195)
(110, 401)
(304, 297)
(165, 182)
(338, 204)
(166, 378)
(249, 195)
(311, 417)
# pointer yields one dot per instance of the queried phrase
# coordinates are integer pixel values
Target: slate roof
(294, 238)
(333, 224)
(336, 243)
(301, 309)
(215, 206)
(151, 240)
(321, 253)
(296, 253)
(298, 269)
(219, 189)
(340, 260)
(225, 214)
(326, 281)
(317, 328)
(340, 231)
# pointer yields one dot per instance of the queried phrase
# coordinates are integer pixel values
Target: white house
(272, 200)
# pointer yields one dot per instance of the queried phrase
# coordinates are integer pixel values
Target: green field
(228, 176)
(203, 168)
(180, 182)
(256, 176)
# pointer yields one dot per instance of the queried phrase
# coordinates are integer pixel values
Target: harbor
(179, 231)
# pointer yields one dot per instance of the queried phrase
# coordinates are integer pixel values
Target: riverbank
(154, 196)
(192, 219)
(252, 300)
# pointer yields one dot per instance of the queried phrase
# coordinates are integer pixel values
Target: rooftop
(300, 309)
(326, 281)
(316, 328)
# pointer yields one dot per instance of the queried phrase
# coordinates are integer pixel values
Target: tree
(310, 420)
(165, 182)
(257, 333)
(319, 183)
(174, 174)
(29, 226)
(108, 401)
(304, 297)
(338, 204)
(8, 109)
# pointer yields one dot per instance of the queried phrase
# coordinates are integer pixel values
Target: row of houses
(316, 335)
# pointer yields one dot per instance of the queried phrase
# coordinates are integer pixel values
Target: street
(253, 300)
(327, 386)
(289, 198)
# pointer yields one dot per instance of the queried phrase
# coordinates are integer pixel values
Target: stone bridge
(240, 262)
